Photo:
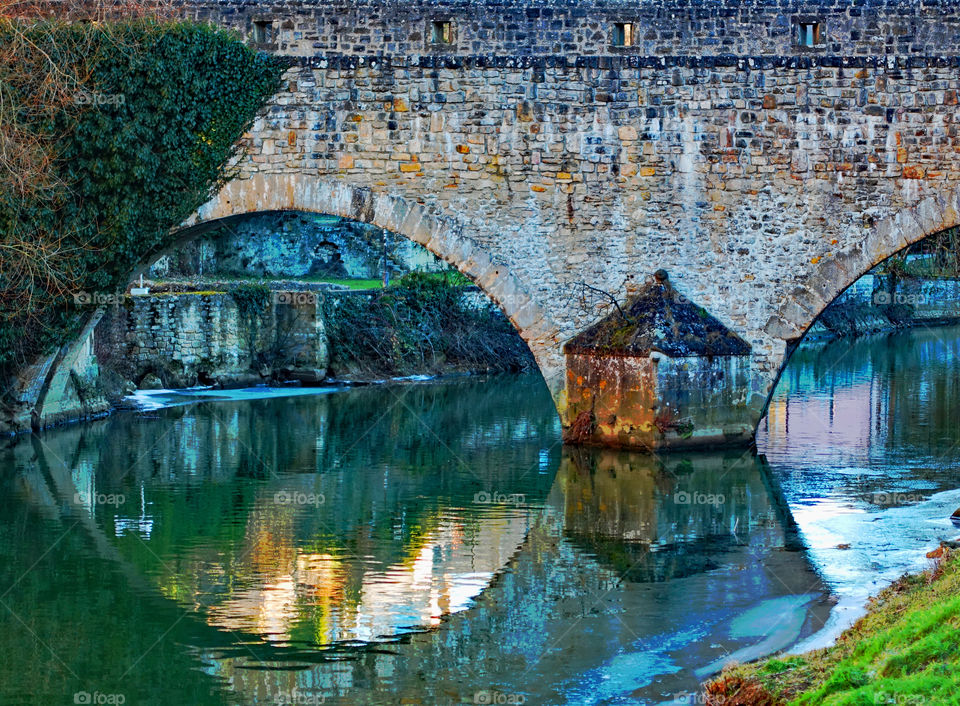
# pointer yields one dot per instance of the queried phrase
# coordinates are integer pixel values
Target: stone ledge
(621, 61)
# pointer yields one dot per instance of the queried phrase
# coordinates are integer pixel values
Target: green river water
(434, 543)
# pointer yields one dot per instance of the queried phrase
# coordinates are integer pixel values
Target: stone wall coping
(626, 61)
(661, 7)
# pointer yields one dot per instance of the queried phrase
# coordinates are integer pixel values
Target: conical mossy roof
(660, 319)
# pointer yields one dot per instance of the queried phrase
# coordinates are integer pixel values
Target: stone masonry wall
(189, 338)
(765, 177)
(756, 188)
(184, 337)
(518, 28)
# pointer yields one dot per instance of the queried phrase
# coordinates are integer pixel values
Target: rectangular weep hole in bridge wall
(809, 32)
(262, 32)
(623, 34)
(441, 32)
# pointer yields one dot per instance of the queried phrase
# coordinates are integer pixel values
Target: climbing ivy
(251, 299)
(157, 114)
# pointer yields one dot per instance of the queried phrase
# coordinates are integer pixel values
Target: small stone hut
(659, 372)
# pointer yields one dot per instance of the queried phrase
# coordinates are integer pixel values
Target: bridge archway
(828, 279)
(439, 233)
(803, 307)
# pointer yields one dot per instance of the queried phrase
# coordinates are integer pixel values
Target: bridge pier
(661, 373)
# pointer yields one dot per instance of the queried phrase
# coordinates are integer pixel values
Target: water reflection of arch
(561, 607)
(661, 518)
(555, 605)
(838, 403)
(308, 449)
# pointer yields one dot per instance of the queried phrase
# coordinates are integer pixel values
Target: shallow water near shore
(435, 543)
(864, 438)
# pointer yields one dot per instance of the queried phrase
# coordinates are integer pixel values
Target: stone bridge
(765, 155)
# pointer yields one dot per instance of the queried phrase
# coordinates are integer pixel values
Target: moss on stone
(659, 319)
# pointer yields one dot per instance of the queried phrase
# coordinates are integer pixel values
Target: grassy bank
(177, 284)
(906, 650)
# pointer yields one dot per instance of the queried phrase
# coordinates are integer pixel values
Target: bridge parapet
(515, 28)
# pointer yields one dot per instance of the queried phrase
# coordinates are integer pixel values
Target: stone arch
(803, 305)
(441, 234)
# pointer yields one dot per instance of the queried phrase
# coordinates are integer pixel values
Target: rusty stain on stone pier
(660, 372)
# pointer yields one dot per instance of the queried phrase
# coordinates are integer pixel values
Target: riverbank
(881, 303)
(250, 333)
(905, 650)
(235, 335)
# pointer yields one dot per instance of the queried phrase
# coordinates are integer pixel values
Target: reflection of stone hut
(661, 517)
(660, 372)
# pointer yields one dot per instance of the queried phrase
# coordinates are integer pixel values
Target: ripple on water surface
(433, 542)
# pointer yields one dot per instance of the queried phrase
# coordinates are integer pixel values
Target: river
(433, 542)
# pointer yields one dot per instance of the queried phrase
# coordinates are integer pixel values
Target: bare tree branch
(607, 295)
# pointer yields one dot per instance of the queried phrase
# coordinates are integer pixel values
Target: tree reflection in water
(455, 549)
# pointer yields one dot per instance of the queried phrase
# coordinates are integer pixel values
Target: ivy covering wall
(124, 130)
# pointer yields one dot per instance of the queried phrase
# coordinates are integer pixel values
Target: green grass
(203, 293)
(906, 650)
(352, 283)
(455, 278)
